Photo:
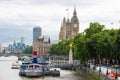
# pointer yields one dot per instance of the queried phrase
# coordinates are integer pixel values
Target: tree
(53, 49)
(80, 51)
(93, 29)
(116, 43)
(62, 48)
(28, 50)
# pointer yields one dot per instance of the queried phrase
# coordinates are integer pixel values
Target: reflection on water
(6, 73)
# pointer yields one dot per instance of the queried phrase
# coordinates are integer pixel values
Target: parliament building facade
(69, 28)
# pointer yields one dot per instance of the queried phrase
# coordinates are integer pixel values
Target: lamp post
(107, 70)
(99, 70)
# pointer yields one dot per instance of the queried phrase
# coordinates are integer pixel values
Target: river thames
(6, 73)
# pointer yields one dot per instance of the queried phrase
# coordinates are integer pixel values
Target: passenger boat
(37, 67)
(16, 65)
(34, 70)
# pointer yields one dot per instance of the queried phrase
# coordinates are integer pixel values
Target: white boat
(34, 70)
(16, 65)
(55, 71)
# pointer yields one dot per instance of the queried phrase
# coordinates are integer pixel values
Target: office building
(36, 33)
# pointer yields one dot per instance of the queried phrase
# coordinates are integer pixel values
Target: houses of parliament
(69, 27)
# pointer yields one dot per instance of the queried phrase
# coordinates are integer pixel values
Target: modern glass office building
(36, 33)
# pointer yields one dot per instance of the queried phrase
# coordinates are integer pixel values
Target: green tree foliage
(53, 49)
(94, 28)
(29, 50)
(62, 48)
(79, 48)
(116, 44)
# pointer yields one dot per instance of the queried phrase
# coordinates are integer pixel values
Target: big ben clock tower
(69, 28)
(75, 23)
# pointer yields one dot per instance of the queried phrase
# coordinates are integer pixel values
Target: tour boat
(34, 70)
(38, 67)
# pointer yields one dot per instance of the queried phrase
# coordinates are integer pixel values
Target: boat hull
(34, 74)
(15, 67)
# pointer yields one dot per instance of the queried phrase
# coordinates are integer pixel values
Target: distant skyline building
(69, 28)
(22, 40)
(36, 33)
(16, 47)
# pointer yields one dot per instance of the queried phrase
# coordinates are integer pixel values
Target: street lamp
(99, 70)
(107, 69)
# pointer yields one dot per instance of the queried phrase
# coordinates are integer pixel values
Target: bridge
(13, 54)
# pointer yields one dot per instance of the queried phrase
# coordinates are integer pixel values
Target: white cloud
(23, 15)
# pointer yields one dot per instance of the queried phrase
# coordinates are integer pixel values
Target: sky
(18, 17)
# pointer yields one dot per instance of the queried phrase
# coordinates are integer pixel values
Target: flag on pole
(67, 10)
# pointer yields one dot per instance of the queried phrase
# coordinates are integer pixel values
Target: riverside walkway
(101, 74)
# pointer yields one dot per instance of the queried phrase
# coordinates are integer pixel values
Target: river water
(6, 73)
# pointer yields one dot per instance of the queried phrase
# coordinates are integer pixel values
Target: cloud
(18, 17)
(10, 32)
(60, 2)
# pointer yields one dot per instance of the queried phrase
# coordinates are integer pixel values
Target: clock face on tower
(75, 25)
